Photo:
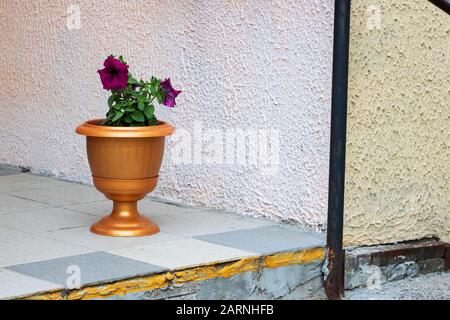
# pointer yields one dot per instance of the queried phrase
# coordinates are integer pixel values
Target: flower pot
(125, 163)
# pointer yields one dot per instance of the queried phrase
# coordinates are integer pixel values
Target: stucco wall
(398, 123)
(241, 65)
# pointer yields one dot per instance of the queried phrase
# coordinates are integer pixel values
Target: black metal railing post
(334, 285)
(442, 4)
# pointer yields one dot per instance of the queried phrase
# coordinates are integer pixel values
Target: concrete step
(47, 251)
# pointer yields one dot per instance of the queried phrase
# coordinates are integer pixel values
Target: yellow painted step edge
(157, 281)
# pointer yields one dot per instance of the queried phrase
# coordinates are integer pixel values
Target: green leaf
(159, 96)
(137, 116)
(128, 119)
(155, 80)
(117, 116)
(132, 80)
(153, 121)
(154, 88)
(122, 59)
(110, 114)
(149, 110)
(144, 95)
(141, 105)
(154, 85)
(133, 93)
(111, 100)
(118, 106)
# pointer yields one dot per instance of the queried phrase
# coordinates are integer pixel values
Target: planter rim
(91, 128)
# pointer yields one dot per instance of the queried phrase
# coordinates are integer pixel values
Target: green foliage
(133, 106)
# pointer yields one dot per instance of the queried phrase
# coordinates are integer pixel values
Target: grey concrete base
(368, 267)
(432, 286)
(290, 282)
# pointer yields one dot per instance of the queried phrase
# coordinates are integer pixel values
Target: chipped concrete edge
(200, 273)
(369, 266)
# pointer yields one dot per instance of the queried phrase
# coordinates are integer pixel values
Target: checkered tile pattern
(45, 242)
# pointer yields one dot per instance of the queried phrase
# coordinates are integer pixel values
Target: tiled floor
(45, 241)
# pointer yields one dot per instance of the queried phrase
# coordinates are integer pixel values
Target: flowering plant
(131, 103)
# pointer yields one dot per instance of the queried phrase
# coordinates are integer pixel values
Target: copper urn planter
(125, 163)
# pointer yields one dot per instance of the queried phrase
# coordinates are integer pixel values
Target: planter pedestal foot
(125, 221)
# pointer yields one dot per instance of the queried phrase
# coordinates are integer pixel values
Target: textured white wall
(241, 64)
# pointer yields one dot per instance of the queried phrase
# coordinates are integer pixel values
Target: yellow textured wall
(398, 123)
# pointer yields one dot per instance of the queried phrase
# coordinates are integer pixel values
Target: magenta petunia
(115, 74)
(170, 93)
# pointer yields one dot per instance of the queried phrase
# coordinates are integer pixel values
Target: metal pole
(334, 286)
(442, 4)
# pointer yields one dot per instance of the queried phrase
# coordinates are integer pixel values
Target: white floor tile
(182, 253)
(17, 247)
(57, 196)
(85, 238)
(14, 284)
(26, 181)
(48, 219)
(11, 205)
(154, 208)
(99, 208)
(146, 207)
(200, 222)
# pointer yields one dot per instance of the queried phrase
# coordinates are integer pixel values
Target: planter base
(125, 221)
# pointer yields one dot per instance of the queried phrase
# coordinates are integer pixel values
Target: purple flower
(170, 93)
(115, 74)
